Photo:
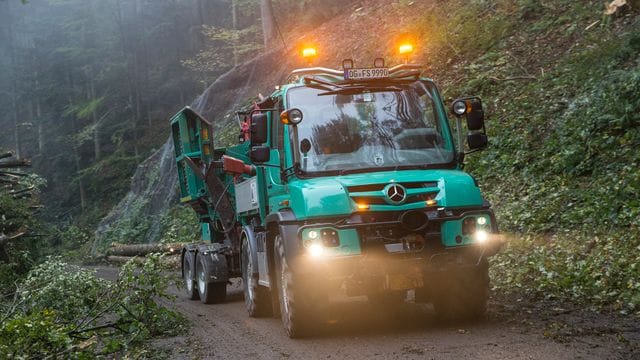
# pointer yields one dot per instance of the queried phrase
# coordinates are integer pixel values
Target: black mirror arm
(290, 171)
(473, 151)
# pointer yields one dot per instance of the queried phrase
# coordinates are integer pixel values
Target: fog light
(481, 236)
(316, 250)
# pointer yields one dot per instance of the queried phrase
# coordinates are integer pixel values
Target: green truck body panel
(354, 209)
(328, 196)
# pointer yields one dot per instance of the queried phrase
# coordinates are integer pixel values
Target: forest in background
(90, 85)
(87, 87)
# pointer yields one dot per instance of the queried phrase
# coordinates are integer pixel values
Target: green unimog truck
(344, 181)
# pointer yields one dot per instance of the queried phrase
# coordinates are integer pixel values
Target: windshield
(362, 130)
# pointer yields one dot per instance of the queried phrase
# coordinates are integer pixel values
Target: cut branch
(524, 77)
(4, 239)
(113, 325)
(12, 173)
(22, 191)
(6, 155)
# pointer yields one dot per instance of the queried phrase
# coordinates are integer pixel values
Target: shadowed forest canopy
(87, 86)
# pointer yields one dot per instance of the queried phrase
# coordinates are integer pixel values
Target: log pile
(11, 186)
(121, 253)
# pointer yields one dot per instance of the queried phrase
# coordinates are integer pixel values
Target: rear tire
(296, 308)
(188, 270)
(257, 298)
(464, 295)
(210, 292)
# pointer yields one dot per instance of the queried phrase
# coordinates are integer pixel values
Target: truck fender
(281, 217)
(287, 225)
(247, 231)
(190, 251)
(292, 247)
(215, 261)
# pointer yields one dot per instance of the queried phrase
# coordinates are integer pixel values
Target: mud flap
(215, 259)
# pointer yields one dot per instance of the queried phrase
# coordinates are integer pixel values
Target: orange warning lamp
(405, 49)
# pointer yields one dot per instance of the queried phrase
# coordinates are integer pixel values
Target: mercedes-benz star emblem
(396, 193)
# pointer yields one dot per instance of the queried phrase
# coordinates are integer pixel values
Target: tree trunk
(143, 249)
(76, 152)
(234, 19)
(269, 31)
(96, 123)
(16, 128)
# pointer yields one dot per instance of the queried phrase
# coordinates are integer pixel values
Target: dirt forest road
(358, 330)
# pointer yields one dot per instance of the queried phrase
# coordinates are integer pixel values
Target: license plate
(366, 74)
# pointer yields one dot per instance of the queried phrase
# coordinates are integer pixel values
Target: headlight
(481, 236)
(459, 108)
(482, 220)
(315, 250)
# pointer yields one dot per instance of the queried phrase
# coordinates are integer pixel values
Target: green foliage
(67, 289)
(584, 268)
(37, 335)
(562, 166)
(17, 220)
(225, 46)
(72, 241)
(66, 311)
(180, 225)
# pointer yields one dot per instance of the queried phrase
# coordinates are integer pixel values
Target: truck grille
(373, 194)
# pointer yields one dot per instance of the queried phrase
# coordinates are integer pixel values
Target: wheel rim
(285, 294)
(188, 280)
(249, 278)
(201, 281)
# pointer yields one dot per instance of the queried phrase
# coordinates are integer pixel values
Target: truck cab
(351, 181)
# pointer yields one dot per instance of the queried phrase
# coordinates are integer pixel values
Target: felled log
(14, 163)
(172, 261)
(143, 249)
(6, 155)
(124, 259)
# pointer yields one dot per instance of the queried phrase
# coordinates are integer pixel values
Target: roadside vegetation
(64, 311)
(561, 82)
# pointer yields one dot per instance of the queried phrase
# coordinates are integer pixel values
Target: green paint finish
(349, 241)
(206, 231)
(189, 142)
(328, 196)
(453, 228)
(318, 197)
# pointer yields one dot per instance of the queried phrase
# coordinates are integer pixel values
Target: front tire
(209, 292)
(296, 309)
(464, 295)
(257, 298)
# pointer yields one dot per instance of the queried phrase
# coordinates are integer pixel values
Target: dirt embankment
(358, 330)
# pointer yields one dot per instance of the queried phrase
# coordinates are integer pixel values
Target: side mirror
(259, 130)
(305, 146)
(260, 154)
(477, 141)
(472, 108)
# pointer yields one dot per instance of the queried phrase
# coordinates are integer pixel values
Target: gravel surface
(356, 329)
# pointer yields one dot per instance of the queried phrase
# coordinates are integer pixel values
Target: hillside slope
(561, 82)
